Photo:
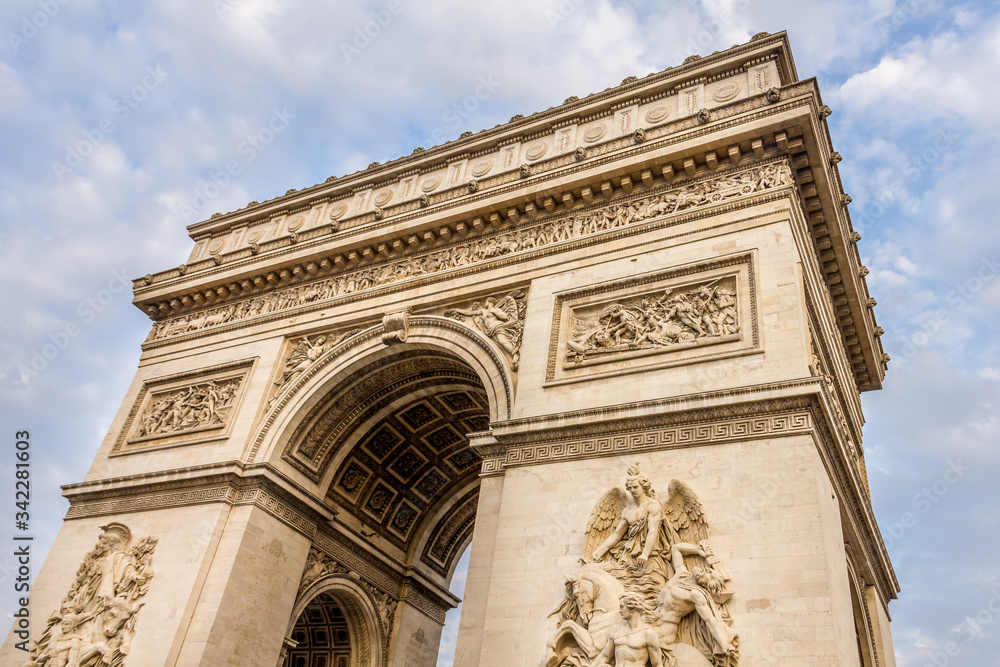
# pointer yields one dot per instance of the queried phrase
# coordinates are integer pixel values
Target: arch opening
(321, 634)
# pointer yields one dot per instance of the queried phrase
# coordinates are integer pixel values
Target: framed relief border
(184, 409)
(575, 349)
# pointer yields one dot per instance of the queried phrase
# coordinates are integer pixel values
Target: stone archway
(382, 431)
(334, 606)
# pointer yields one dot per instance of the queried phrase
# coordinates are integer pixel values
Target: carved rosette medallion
(95, 622)
(500, 318)
(650, 578)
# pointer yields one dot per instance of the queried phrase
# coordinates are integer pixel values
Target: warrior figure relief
(693, 316)
(651, 590)
(95, 622)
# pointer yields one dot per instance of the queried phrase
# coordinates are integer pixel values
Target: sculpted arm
(681, 549)
(604, 657)
(653, 648)
(611, 541)
(653, 519)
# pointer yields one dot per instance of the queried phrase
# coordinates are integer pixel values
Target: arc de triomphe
(617, 346)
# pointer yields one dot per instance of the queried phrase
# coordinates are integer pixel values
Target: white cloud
(927, 209)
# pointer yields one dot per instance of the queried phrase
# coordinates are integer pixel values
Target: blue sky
(117, 121)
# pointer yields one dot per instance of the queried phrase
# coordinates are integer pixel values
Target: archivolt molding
(424, 332)
(450, 532)
(323, 574)
(857, 583)
(368, 637)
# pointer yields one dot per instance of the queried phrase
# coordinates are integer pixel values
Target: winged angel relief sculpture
(647, 565)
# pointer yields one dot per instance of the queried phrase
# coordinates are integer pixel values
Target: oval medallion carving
(482, 167)
(430, 183)
(658, 114)
(595, 132)
(296, 223)
(338, 210)
(536, 150)
(726, 92)
(383, 197)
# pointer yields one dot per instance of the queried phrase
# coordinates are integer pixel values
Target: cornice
(231, 483)
(762, 47)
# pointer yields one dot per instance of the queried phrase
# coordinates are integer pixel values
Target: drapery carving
(646, 562)
(500, 318)
(95, 622)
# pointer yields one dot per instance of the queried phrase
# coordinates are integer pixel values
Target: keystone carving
(396, 326)
(646, 557)
(95, 622)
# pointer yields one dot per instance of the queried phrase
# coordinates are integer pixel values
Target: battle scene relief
(676, 317)
(95, 623)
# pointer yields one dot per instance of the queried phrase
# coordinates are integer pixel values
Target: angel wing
(603, 520)
(683, 513)
(511, 306)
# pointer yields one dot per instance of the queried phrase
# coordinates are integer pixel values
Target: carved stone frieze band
(231, 489)
(594, 220)
(713, 430)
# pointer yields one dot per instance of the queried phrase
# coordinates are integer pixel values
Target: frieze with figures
(198, 406)
(588, 222)
(699, 314)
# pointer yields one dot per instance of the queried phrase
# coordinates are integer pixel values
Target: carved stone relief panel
(95, 622)
(649, 580)
(500, 317)
(663, 318)
(303, 353)
(183, 409)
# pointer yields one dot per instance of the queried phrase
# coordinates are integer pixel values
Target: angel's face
(635, 488)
